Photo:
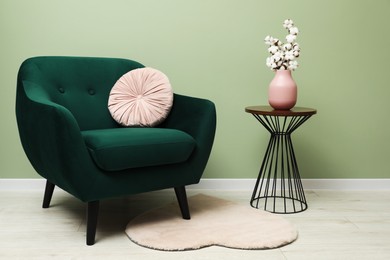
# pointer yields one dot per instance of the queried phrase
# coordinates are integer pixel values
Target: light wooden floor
(337, 225)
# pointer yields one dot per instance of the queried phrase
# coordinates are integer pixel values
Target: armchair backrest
(81, 85)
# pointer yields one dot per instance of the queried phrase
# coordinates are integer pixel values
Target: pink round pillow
(141, 97)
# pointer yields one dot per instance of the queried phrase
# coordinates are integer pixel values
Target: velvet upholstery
(124, 148)
(61, 110)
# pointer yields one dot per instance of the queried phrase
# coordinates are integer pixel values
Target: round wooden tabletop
(268, 110)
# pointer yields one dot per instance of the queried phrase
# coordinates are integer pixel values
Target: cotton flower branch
(283, 56)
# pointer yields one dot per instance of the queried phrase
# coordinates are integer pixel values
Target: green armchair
(72, 141)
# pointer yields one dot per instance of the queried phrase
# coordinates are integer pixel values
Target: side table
(278, 187)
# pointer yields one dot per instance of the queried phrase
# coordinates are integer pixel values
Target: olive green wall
(214, 49)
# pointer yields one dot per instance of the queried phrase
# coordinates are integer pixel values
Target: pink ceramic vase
(282, 91)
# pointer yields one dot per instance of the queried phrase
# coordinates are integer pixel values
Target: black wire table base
(278, 187)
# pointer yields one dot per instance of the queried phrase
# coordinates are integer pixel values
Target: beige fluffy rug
(214, 222)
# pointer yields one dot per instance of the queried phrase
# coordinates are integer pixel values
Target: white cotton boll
(289, 55)
(287, 46)
(293, 65)
(293, 30)
(278, 56)
(296, 54)
(291, 38)
(269, 62)
(273, 49)
(288, 23)
(268, 40)
(296, 47)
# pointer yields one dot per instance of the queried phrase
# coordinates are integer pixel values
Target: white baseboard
(22, 184)
(231, 184)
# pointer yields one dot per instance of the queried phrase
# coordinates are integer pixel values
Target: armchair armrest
(52, 139)
(194, 116)
(197, 117)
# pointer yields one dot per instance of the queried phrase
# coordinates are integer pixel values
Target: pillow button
(91, 92)
(61, 90)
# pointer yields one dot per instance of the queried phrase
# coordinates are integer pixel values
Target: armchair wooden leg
(48, 194)
(181, 196)
(92, 217)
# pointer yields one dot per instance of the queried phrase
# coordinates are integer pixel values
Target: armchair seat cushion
(123, 148)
